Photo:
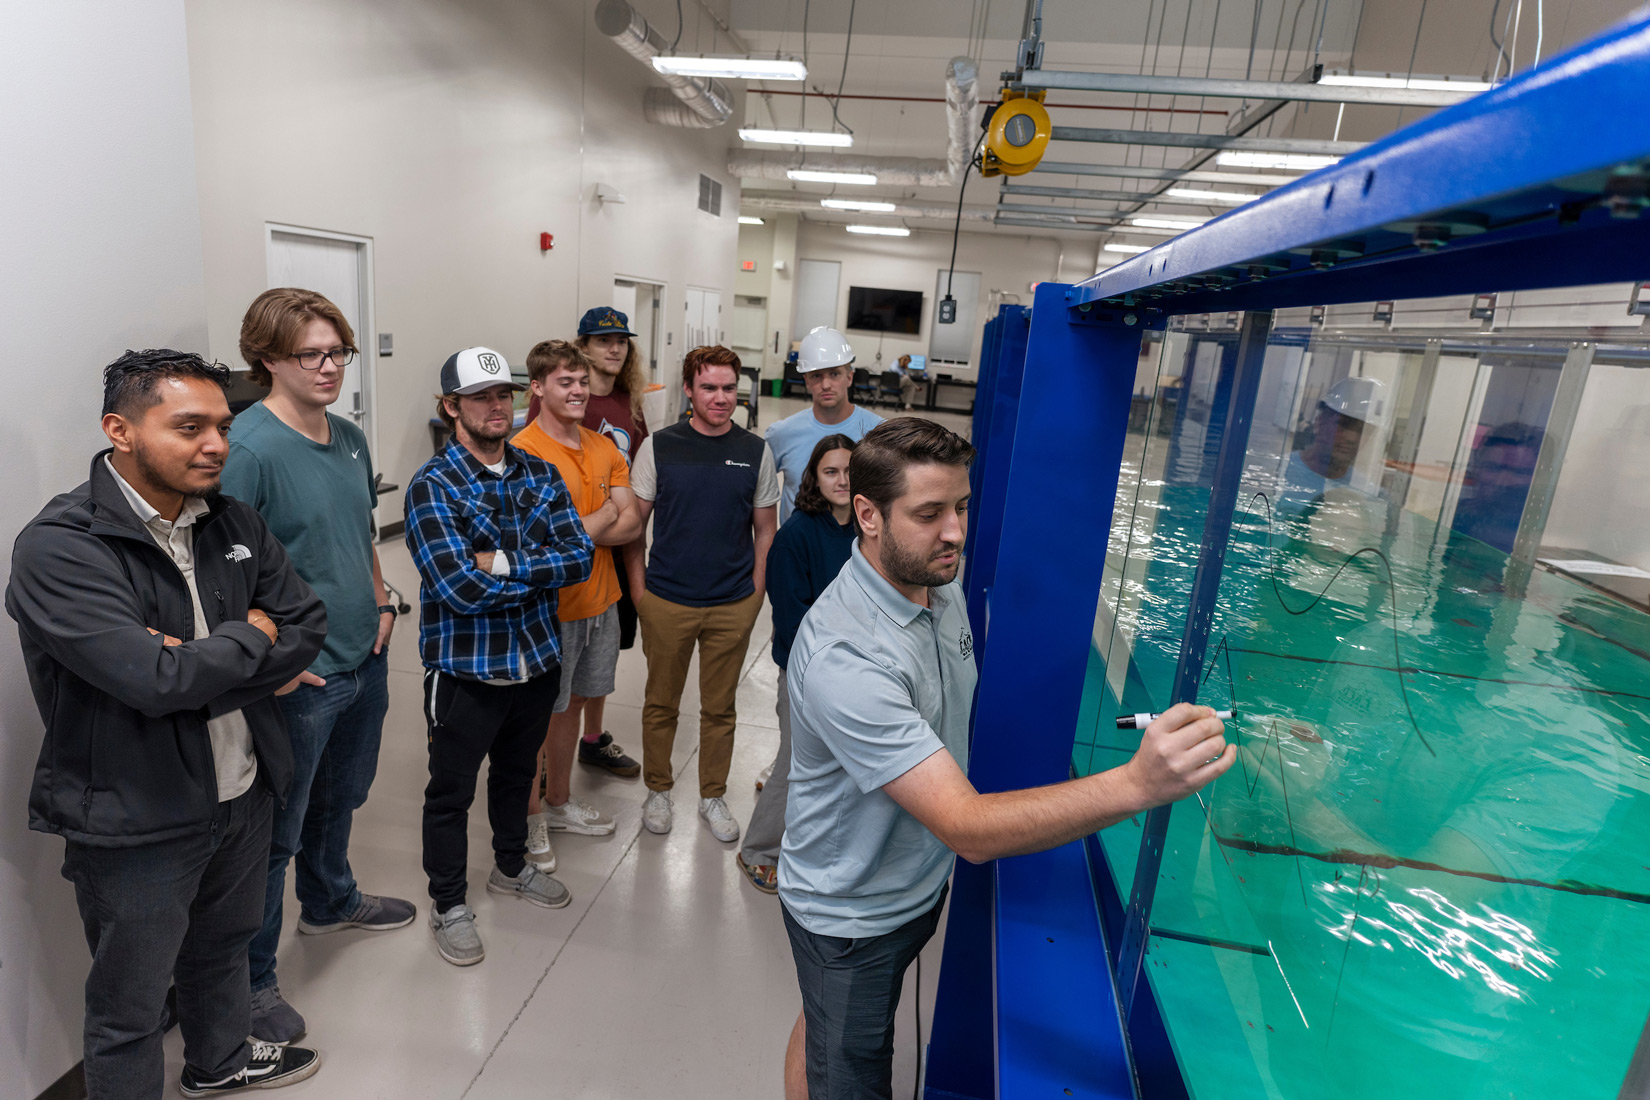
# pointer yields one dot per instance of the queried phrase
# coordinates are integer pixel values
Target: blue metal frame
(996, 411)
(1537, 183)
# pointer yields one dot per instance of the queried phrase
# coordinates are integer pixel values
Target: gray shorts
(589, 654)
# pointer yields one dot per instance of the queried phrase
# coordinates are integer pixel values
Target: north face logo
(238, 553)
(489, 363)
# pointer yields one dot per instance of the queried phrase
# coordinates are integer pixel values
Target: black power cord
(948, 305)
(916, 1003)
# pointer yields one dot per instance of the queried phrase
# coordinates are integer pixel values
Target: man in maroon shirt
(615, 410)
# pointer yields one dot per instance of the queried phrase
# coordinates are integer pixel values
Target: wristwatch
(390, 609)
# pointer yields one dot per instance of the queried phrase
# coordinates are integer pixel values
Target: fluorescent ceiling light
(1233, 198)
(731, 68)
(856, 204)
(1298, 162)
(746, 219)
(1165, 223)
(805, 175)
(1354, 80)
(881, 230)
(799, 137)
(1131, 249)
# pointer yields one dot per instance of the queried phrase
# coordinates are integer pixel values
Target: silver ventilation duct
(962, 105)
(691, 102)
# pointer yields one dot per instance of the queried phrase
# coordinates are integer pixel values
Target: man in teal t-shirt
(309, 474)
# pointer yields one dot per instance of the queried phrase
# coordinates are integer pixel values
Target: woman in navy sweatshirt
(807, 554)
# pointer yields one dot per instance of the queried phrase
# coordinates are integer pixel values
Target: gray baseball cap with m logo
(475, 369)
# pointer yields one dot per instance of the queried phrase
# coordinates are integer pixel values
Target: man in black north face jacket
(158, 619)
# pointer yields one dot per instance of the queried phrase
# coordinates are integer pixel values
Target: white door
(702, 320)
(640, 300)
(338, 267)
(817, 285)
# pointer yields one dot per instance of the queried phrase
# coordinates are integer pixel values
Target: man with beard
(881, 679)
(158, 618)
(494, 533)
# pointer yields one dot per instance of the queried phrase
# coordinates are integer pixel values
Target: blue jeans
(335, 732)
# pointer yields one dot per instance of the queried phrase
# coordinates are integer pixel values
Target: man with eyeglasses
(494, 534)
(310, 476)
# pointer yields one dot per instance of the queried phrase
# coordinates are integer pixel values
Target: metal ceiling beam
(1144, 84)
(1307, 146)
(1160, 198)
(1059, 211)
(1131, 172)
(1046, 222)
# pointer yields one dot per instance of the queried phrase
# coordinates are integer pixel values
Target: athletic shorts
(589, 654)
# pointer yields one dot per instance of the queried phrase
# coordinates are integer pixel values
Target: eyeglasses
(311, 360)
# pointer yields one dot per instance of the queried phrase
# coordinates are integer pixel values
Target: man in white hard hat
(1323, 486)
(826, 363)
(1349, 409)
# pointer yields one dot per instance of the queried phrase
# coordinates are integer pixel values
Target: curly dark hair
(129, 382)
(808, 497)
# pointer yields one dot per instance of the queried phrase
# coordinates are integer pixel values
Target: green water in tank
(1428, 875)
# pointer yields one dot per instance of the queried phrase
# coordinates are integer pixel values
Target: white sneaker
(722, 825)
(539, 852)
(577, 817)
(763, 776)
(656, 812)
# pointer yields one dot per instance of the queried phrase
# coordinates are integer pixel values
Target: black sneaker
(374, 914)
(271, 1067)
(608, 756)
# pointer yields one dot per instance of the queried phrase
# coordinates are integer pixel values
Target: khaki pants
(669, 633)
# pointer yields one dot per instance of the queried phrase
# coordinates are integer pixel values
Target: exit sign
(747, 265)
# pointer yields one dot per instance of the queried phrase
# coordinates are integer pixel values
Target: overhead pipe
(1306, 146)
(691, 102)
(1292, 90)
(962, 106)
(797, 204)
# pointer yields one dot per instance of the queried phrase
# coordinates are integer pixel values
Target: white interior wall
(453, 135)
(101, 235)
(1008, 265)
(1600, 503)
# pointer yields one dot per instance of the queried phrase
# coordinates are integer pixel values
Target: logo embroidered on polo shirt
(965, 641)
(731, 462)
(238, 553)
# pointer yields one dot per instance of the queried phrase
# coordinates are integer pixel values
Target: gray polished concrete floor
(668, 975)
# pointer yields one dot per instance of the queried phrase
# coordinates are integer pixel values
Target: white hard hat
(1360, 398)
(823, 348)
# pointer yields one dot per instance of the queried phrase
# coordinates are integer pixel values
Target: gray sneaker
(456, 937)
(372, 913)
(531, 885)
(273, 1020)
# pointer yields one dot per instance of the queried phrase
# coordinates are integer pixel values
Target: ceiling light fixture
(1131, 249)
(880, 230)
(799, 137)
(1415, 83)
(731, 68)
(806, 175)
(746, 219)
(1295, 162)
(1232, 198)
(856, 204)
(1165, 223)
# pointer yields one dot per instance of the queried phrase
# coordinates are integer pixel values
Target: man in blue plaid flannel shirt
(494, 533)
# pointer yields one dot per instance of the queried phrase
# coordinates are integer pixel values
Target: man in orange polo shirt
(598, 479)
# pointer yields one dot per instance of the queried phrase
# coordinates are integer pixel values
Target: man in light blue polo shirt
(826, 363)
(881, 680)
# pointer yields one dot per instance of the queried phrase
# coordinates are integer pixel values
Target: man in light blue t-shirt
(826, 363)
(881, 678)
(308, 473)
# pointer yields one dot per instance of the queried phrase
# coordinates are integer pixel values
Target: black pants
(850, 991)
(178, 912)
(468, 722)
(626, 605)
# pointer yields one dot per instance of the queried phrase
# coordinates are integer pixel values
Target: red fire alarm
(547, 241)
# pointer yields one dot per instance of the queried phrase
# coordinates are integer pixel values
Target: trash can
(778, 387)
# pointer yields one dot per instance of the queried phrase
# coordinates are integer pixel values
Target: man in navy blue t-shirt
(711, 489)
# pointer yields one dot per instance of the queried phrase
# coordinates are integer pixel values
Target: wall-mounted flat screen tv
(879, 310)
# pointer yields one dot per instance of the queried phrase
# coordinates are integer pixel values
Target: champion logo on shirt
(238, 553)
(731, 462)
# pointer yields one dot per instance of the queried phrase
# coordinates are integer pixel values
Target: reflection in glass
(1425, 876)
